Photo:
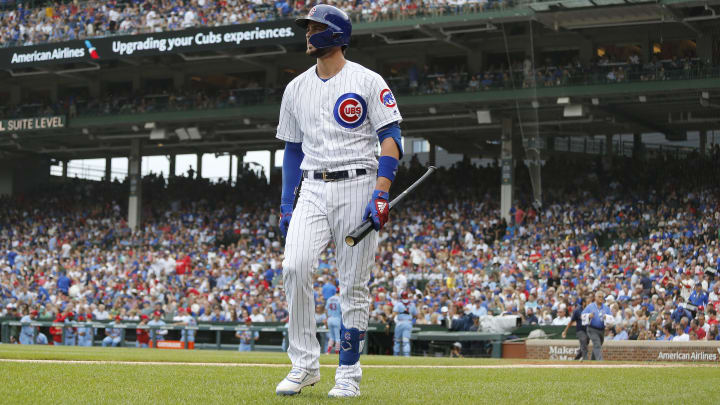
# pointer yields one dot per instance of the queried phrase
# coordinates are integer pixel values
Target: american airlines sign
(158, 43)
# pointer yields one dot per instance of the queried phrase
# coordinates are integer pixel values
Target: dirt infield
(479, 366)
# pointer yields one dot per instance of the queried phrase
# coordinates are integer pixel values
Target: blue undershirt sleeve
(291, 171)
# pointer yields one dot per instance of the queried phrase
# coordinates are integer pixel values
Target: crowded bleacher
(644, 234)
(63, 21)
(414, 80)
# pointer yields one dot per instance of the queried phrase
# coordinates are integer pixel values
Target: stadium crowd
(643, 234)
(64, 21)
(415, 81)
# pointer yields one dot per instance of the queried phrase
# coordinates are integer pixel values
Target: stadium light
(157, 134)
(182, 134)
(135, 128)
(595, 101)
(484, 117)
(194, 133)
(642, 99)
(149, 125)
(706, 95)
(573, 110)
(563, 100)
(535, 104)
(432, 110)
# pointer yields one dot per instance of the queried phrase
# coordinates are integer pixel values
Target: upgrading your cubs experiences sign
(158, 43)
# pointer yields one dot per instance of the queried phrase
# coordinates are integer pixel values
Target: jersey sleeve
(382, 106)
(288, 128)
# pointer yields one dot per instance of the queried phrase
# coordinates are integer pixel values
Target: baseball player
(331, 118)
(113, 334)
(85, 333)
(141, 334)
(334, 320)
(185, 318)
(27, 332)
(247, 337)
(157, 334)
(70, 332)
(405, 311)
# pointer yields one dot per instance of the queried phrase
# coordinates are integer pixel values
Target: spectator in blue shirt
(63, 283)
(594, 317)
(698, 297)
(328, 289)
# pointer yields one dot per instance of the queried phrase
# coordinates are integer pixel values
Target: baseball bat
(359, 233)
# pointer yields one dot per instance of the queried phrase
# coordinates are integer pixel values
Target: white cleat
(295, 381)
(345, 388)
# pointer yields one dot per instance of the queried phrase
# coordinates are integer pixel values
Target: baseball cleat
(295, 381)
(345, 388)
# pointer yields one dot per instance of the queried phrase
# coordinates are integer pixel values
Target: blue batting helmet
(338, 24)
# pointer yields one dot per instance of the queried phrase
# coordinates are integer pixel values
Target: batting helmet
(338, 24)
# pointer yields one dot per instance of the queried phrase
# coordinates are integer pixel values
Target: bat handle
(354, 237)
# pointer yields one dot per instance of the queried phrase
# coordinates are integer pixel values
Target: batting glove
(285, 215)
(378, 209)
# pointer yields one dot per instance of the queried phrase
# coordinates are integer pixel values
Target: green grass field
(60, 383)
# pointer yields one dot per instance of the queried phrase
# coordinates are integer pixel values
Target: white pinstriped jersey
(337, 120)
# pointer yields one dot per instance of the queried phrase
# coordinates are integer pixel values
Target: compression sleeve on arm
(391, 131)
(291, 171)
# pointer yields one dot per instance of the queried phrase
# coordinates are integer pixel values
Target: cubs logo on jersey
(387, 98)
(350, 110)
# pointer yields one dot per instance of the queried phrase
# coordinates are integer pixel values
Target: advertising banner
(157, 43)
(32, 124)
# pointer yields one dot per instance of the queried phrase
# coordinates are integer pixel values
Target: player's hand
(285, 214)
(564, 334)
(378, 209)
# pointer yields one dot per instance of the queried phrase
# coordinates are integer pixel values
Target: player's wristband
(387, 167)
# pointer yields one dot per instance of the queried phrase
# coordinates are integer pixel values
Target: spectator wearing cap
(85, 334)
(142, 336)
(113, 334)
(157, 334)
(595, 315)
(247, 336)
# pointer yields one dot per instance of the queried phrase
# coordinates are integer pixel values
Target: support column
(239, 168)
(272, 165)
(199, 166)
(172, 166)
(134, 170)
(638, 151)
(432, 156)
(703, 142)
(64, 169)
(230, 155)
(533, 156)
(506, 164)
(608, 156)
(108, 169)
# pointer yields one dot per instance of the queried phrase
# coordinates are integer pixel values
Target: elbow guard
(391, 131)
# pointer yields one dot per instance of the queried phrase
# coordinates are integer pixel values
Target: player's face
(313, 28)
